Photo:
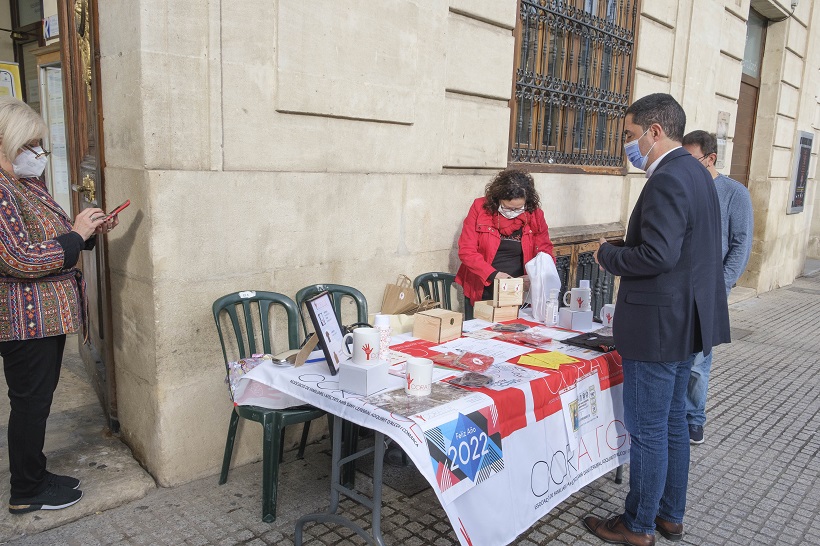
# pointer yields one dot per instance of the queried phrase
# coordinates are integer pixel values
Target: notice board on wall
(800, 174)
(10, 80)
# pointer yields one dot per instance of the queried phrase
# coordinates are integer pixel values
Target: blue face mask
(633, 152)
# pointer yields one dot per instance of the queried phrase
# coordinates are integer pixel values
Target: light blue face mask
(633, 152)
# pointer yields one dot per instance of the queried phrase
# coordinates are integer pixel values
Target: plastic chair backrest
(436, 285)
(241, 303)
(337, 293)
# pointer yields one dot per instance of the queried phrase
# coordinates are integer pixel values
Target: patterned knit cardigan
(38, 298)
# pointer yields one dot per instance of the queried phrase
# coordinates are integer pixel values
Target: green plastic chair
(437, 286)
(338, 292)
(239, 306)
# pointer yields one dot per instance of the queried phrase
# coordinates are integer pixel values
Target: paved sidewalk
(754, 480)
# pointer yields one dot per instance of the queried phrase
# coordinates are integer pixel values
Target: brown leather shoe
(669, 530)
(614, 531)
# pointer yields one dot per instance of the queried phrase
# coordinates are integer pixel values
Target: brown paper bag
(423, 305)
(399, 297)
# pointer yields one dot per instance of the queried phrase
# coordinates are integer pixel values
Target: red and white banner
(499, 460)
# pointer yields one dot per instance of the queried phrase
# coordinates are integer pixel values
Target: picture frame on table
(328, 330)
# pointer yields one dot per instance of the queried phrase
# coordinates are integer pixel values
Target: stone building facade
(271, 145)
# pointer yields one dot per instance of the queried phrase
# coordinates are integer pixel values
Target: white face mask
(30, 162)
(510, 214)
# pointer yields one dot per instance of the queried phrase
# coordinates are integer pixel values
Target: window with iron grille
(573, 81)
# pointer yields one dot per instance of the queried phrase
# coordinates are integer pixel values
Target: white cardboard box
(362, 379)
(574, 320)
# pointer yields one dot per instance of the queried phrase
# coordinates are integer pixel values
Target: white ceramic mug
(608, 314)
(579, 299)
(365, 346)
(419, 375)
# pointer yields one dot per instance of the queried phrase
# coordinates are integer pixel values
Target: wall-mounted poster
(722, 134)
(800, 175)
(10, 81)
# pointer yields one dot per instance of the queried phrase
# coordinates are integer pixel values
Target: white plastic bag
(543, 277)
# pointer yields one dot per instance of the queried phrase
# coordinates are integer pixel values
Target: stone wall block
(781, 166)
(139, 413)
(129, 249)
(121, 78)
(370, 276)
(353, 59)
(656, 47)
(732, 35)
(646, 84)
(784, 132)
(789, 101)
(119, 26)
(738, 7)
(194, 419)
(498, 12)
(792, 69)
(176, 111)
(286, 221)
(317, 143)
(475, 48)
(175, 83)
(180, 27)
(577, 207)
(797, 38)
(728, 74)
(130, 263)
(662, 10)
(425, 227)
(188, 322)
(135, 349)
(477, 133)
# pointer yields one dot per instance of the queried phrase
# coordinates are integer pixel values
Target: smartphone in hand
(117, 210)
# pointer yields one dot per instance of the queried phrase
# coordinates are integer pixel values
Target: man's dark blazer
(672, 300)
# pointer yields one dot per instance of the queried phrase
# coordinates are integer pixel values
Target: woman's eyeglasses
(508, 209)
(37, 155)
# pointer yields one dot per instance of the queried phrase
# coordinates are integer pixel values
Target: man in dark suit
(671, 305)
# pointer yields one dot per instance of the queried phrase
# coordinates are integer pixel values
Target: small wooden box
(485, 310)
(508, 292)
(437, 325)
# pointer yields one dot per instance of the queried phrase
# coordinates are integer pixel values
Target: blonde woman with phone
(41, 301)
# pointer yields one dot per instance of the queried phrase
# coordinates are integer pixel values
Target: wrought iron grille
(576, 262)
(563, 265)
(573, 81)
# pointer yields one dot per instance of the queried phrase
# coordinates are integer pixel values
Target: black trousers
(32, 369)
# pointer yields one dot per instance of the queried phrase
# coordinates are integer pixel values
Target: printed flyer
(580, 405)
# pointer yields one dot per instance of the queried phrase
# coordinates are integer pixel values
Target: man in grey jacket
(737, 227)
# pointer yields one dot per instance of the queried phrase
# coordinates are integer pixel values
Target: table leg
(619, 474)
(337, 489)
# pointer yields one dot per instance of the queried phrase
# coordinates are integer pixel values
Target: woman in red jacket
(503, 230)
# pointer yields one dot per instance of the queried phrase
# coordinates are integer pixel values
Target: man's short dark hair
(662, 109)
(707, 142)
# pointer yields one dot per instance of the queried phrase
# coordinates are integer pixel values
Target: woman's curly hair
(511, 184)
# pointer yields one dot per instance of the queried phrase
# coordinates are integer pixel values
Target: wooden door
(747, 97)
(83, 112)
(744, 130)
